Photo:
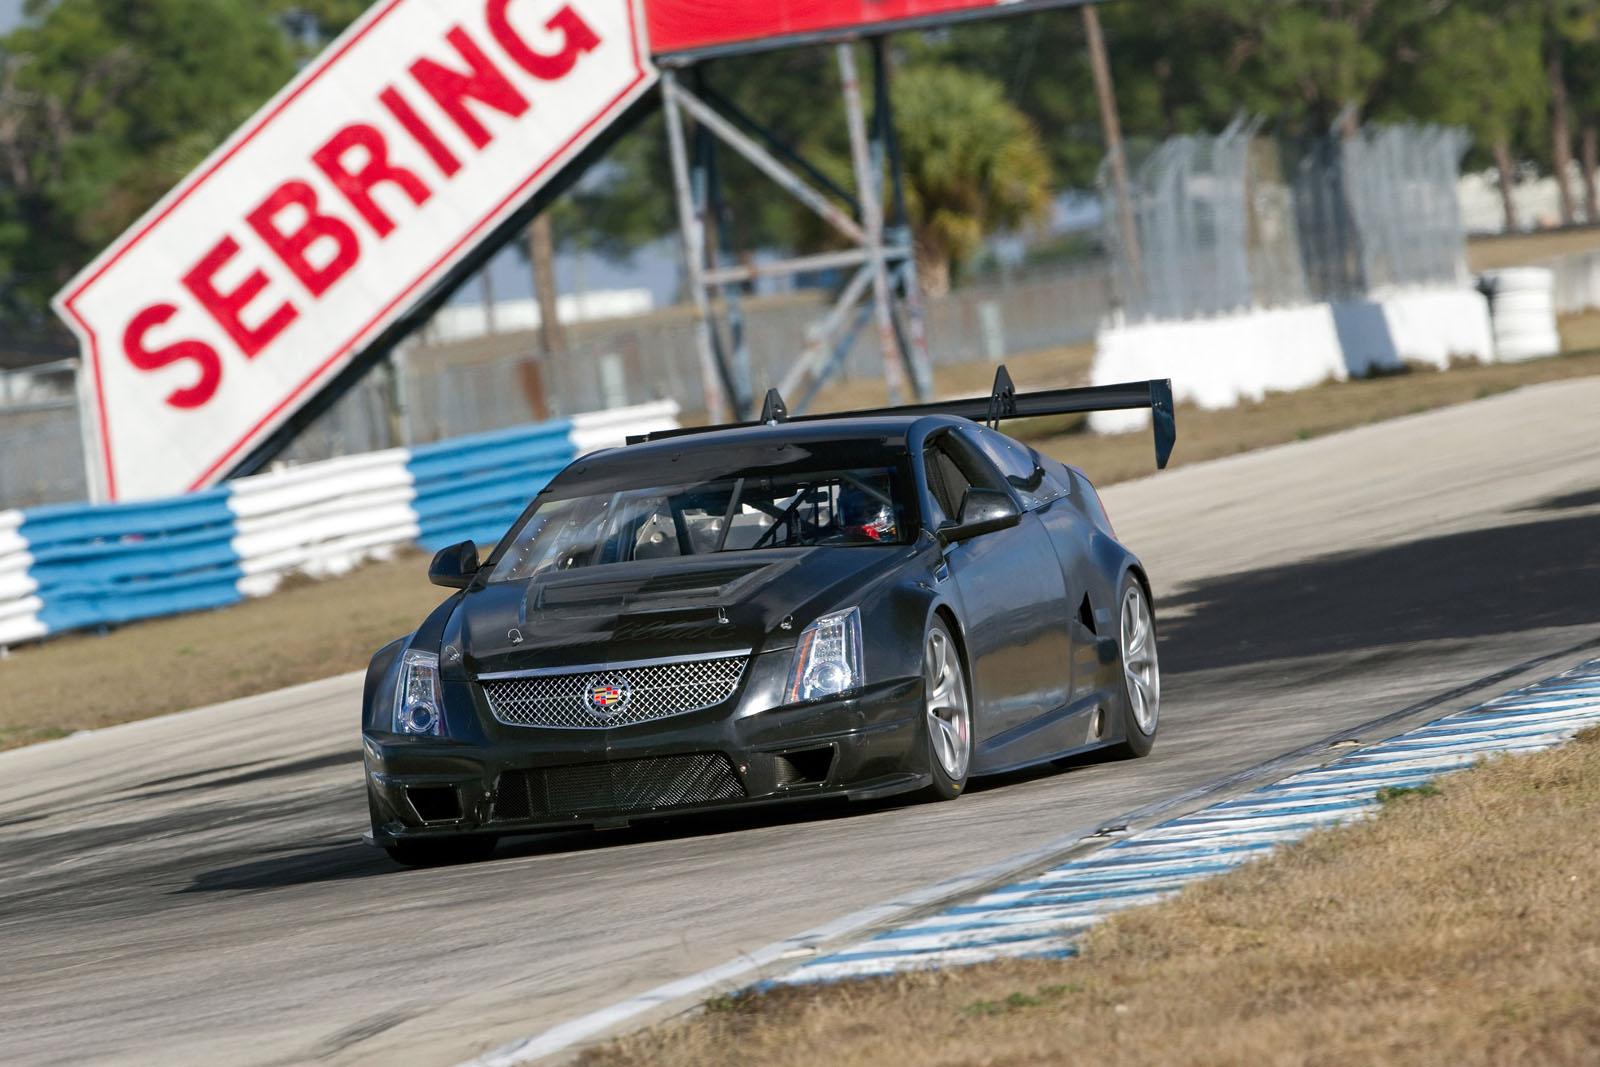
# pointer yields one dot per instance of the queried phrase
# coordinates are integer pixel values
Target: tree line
(105, 104)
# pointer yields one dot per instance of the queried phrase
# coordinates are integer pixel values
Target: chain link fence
(1237, 220)
(494, 382)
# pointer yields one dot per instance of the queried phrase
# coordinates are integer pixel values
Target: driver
(865, 514)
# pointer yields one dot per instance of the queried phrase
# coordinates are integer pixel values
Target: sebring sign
(326, 216)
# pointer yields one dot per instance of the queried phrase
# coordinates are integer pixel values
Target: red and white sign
(326, 215)
(694, 25)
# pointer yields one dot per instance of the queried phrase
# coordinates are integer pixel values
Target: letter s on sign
(577, 38)
(201, 354)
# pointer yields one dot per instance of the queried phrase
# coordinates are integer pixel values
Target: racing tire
(947, 713)
(1140, 669)
(442, 852)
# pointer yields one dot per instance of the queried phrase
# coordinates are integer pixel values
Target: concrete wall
(1219, 362)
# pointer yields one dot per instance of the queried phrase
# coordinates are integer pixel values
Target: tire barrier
(1523, 309)
(67, 567)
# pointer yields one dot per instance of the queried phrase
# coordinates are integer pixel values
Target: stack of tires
(1522, 310)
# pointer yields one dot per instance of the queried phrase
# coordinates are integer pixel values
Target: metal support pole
(871, 197)
(899, 229)
(765, 162)
(694, 251)
(708, 190)
(816, 352)
(1106, 95)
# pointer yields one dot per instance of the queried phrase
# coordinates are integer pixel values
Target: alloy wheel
(1139, 666)
(949, 713)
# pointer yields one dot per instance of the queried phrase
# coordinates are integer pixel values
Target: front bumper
(522, 780)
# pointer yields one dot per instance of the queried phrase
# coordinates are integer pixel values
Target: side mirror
(982, 511)
(454, 567)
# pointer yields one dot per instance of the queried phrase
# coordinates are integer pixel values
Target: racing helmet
(866, 514)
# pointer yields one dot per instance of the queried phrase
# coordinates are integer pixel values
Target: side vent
(806, 767)
(1086, 614)
(435, 803)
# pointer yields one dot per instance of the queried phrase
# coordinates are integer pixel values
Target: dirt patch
(1456, 928)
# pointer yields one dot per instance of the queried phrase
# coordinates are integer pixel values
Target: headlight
(827, 659)
(418, 699)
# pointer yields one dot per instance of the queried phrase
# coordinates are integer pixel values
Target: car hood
(644, 609)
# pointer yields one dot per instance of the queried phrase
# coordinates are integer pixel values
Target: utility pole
(1111, 129)
(552, 338)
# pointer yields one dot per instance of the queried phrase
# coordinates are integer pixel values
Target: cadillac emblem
(607, 696)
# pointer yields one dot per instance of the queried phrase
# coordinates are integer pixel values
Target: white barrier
(1576, 279)
(1223, 361)
(1522, 305)
(70, 566)
(321, 519)
(607, 429)
(19, 607)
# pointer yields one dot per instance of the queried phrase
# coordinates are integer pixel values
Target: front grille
(623, 696)
(630, 785)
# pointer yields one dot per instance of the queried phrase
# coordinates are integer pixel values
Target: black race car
(844, 605)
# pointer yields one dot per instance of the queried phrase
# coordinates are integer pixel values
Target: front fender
(377, 696)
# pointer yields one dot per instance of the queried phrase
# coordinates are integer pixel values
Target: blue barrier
(473, 488)
(113, 563)
(76, 566)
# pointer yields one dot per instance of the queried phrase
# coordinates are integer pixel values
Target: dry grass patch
(1515, 250)
(307, 630)
(1459, 927)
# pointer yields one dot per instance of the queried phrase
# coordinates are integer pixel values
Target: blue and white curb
(74, 566)
(1044, 915)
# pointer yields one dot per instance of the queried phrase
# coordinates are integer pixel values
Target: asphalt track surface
(192, 889)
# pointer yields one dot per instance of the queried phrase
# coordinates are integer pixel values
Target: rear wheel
(947, 705)
(1141, 673)
(442, 851)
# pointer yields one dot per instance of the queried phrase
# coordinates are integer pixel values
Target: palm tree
(973, 164)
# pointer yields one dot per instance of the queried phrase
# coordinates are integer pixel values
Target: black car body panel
(1032, 607)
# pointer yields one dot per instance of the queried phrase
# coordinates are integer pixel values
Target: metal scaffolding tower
(883, 287)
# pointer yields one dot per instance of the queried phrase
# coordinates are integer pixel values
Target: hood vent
(670, 589)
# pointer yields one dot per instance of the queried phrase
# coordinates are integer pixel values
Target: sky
(10, 14)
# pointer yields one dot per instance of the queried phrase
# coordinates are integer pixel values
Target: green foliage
(104, 105)
(973, 162)
(1392, 794)
(1483, 72)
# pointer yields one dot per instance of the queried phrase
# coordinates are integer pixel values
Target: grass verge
(305, 631)
(1518, 249)
(314, 630)
(1457, 927)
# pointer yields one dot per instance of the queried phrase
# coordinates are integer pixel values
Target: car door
(1011, 591)
(1044, 488)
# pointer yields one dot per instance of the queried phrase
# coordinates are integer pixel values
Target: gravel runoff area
(1456, 927)
(311, 630)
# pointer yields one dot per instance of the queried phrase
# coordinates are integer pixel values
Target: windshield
(862, 506)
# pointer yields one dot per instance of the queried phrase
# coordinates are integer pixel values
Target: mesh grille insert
(599, 699)
(619, 786)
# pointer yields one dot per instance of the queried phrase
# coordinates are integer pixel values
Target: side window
(946, 483)
(1019, 465)
(952, 468)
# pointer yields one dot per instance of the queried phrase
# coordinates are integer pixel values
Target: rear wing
(1003, 402)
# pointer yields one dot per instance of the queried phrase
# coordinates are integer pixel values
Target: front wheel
(947, 707)
(1141, 673)
(443, 851)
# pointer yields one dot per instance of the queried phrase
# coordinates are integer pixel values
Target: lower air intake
(621, 786)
